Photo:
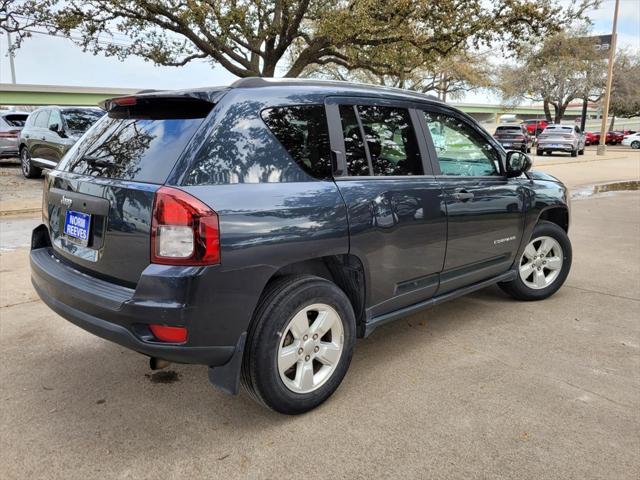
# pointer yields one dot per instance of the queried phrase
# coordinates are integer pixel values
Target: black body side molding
(375, 322)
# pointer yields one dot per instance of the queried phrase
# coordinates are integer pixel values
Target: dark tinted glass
(131, 149)
(16, 120)
(391, 140)
(81, 120)
(42, 119)
(357, 164)
(303, 132)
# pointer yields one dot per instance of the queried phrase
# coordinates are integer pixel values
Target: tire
(539, 153)
(271, 329)
(28, 169)
(528, 288)
(635, 144)
(581, 152)
(528, 150)
(574, 153)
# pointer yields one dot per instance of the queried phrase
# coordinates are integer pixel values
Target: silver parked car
(10, 125)
(561, 138)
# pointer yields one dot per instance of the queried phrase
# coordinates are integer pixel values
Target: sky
(51, 60)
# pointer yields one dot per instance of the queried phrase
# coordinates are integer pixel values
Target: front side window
(80, 120)
(55, 119)
(303, 132)
(461, 150)
(391, 145)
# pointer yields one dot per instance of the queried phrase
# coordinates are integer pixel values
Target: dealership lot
(482, 387)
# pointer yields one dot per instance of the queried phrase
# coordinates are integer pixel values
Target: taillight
(10, 134)
(184, 231)
(569, 137)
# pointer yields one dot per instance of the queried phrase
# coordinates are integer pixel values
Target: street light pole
(12, 66)
(602, 147)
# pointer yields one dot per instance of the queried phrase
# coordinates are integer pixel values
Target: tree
(269, 37)
(18, 18)
(625, 91)
(562, 69)
(452, 76)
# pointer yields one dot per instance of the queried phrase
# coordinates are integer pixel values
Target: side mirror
(517, 163)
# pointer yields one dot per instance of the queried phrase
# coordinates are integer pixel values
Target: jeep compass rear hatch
(99, 201)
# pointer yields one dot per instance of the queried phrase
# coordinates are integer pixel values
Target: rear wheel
(28, 169)
(300, 344)
(539, 152)
(544, 264)
(574, 153)
(581, 152)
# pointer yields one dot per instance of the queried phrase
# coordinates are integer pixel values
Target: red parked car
(535, 127)
(613, 138)
(591, 138)
(616, 137)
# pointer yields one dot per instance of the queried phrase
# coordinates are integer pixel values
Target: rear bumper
(565, 147)
(8, 149)
(117, 314)
(517, 145)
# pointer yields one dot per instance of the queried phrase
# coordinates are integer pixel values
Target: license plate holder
(77, 226)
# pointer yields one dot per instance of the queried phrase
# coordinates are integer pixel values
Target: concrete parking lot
(482, 387)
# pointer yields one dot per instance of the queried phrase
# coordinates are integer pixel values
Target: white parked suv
(561, 138)
(632, 140)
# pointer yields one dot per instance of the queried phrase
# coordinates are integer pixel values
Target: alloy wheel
(25, 162)
(541, 262)
(310, 348)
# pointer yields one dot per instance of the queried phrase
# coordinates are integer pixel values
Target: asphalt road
(481, 387)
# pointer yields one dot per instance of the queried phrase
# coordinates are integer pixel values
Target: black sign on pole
(601, 43)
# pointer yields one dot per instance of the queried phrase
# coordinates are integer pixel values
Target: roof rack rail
(258, 82)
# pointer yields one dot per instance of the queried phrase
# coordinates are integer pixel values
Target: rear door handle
(462, 195)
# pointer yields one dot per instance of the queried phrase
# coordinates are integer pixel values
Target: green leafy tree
(625, 91)
(285, 37)
(562, 69)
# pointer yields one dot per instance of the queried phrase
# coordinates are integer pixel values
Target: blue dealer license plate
(76, 226)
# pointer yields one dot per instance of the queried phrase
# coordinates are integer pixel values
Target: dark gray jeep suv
(260, 228)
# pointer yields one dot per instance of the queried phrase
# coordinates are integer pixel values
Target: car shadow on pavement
(105, 383)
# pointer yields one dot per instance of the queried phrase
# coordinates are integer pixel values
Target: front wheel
(28, 169)
(635, 144)
(544, 264)
(299, 345)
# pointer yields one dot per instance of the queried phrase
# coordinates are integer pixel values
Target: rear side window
(302, 130)
(141, 144)
(15, 120)
(42, 119)
(391, 147)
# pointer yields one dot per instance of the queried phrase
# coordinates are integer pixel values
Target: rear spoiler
(167, 97)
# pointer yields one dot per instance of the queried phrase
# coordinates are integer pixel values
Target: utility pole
(602, 147)
(11, 64)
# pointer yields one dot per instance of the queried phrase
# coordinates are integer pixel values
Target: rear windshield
(512, 129)
(15, 120)
(80, 120)
(569, 129)
(139, 145)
